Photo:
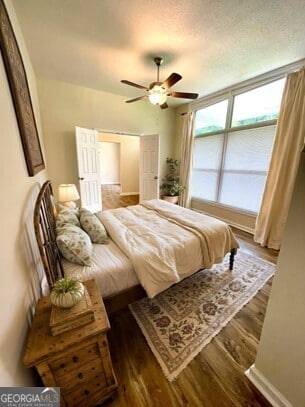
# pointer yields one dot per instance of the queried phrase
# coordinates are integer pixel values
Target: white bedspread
(216, 236)
(111, 269)
(163, 252)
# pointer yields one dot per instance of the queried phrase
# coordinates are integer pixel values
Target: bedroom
(50, 97)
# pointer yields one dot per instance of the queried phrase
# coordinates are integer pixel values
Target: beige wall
(19, 254)
(129, 160)
(64, 106)
(281, 352)
(233, 217)
(109, 155)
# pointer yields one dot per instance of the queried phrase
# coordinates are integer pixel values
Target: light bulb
(157, 95)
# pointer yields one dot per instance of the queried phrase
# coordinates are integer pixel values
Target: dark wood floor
(215, 378)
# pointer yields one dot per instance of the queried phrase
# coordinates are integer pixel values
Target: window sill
(227, 207)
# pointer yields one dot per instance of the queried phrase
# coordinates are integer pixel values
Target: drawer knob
(86, 392)
(75, 359)
(62, 365)
(80, 375)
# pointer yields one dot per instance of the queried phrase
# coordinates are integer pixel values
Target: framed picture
(20, 94)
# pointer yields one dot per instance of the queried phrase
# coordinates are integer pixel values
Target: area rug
(179, 322)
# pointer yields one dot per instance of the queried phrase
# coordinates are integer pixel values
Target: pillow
(74, 244)
(66, 216)
(61, 207)
(93, 226)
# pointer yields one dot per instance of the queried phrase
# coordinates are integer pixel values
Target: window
(211, 118)
(233, 142)
(258, 105)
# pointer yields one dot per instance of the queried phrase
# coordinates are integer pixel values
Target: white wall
(281, 352)
(19, 286)
(109, 155)
(129, 161)
(64, 106)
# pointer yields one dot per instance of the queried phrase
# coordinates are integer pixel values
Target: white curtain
(288, 144)
(186, 155)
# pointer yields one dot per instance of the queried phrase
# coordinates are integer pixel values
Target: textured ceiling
(211, 43)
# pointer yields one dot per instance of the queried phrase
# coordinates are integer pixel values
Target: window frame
(229, 95)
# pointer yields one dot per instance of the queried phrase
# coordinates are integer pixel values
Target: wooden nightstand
(77, 361)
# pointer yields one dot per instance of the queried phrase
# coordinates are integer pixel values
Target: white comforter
(165, 242)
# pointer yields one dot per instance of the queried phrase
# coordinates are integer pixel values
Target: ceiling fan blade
(171, 80)
(134, 84)
(164, 106)
(184, 95)
(136, 99)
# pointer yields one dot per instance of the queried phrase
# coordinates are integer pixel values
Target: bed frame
(45, 231)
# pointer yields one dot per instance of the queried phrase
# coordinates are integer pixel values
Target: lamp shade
(67, 193)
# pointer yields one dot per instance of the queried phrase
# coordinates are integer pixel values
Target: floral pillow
(74, 244)
(66, 216)
(93, 226)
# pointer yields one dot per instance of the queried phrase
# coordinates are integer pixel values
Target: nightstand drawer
(82, 374)
(88, 394)
(64, 365)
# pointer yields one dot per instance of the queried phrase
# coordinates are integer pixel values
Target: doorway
(119, 169)
(135, 159)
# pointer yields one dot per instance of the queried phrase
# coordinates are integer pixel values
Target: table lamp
(67, 193)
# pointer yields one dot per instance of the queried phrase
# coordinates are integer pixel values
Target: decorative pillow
(74, 244)
(60, 207)
(66, 216)
(93, 226)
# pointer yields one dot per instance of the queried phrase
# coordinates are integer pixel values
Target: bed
(151, 246)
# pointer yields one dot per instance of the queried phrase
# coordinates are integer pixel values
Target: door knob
(81, 178)
(156, 177)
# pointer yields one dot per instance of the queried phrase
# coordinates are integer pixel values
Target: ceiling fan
(159, 91)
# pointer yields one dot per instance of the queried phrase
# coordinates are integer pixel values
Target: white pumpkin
(67, 292)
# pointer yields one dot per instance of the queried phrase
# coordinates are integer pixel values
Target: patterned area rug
(179, 322)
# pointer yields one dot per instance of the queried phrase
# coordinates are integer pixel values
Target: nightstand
(78, 361)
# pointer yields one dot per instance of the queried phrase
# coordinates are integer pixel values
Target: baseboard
(110, 183)
(271, 393)
(129, 193)
(238, 226)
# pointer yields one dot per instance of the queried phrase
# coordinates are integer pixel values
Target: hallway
(112, 199)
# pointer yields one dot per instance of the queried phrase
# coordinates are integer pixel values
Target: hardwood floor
(112, 199)
(215, 377)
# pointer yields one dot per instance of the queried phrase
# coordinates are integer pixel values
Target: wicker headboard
(45, 231)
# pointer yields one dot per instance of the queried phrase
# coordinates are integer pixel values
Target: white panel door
(88, 168)
(149, 167)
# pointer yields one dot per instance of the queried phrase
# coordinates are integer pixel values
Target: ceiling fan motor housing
(158, 61)
(155, 84)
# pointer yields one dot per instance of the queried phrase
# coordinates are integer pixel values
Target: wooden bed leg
(233, 252)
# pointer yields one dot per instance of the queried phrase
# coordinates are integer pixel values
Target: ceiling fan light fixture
(157, 92)
(157, 95)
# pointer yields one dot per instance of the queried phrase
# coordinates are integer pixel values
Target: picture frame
(20, 92)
